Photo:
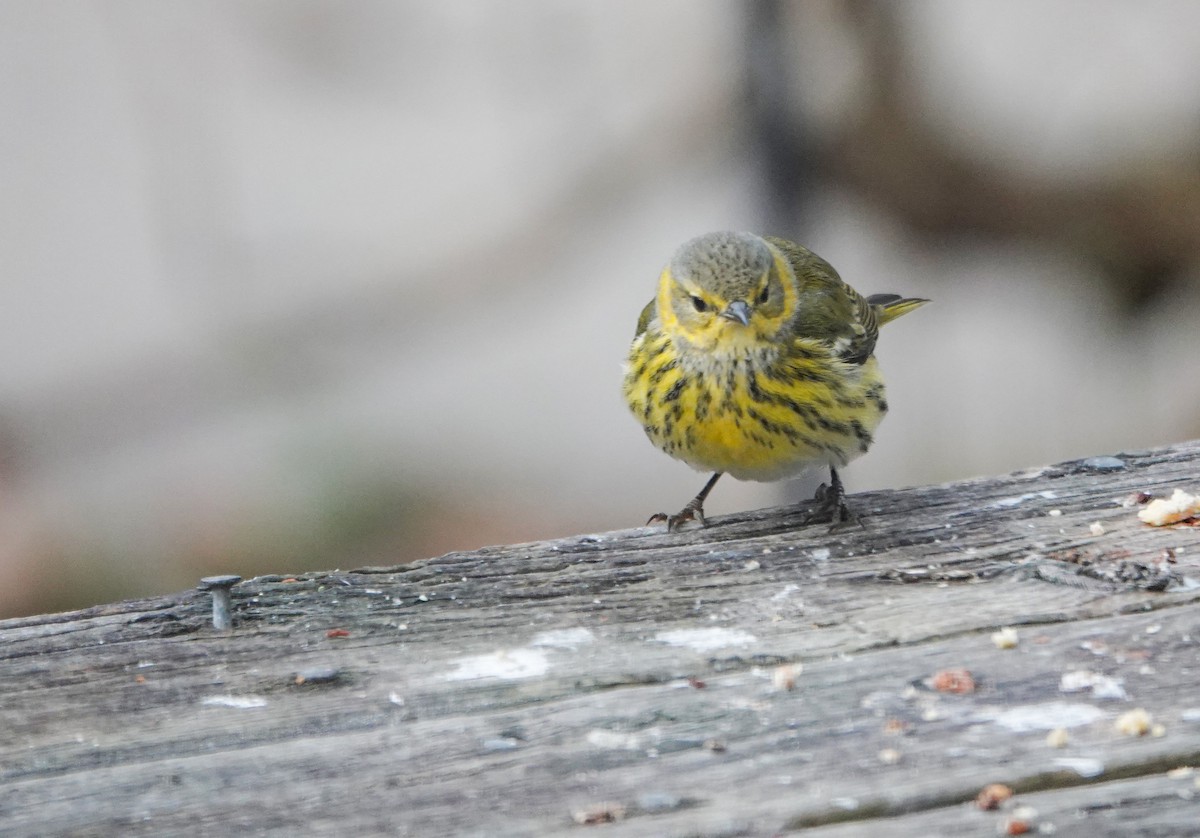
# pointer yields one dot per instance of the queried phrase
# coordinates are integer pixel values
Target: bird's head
(726, 292)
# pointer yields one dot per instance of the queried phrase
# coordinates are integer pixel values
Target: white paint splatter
(238, 702)
(787, 591)
(1101, 686)
(1083, 766)
(1005, 503)
(1046, 716)
(613, 740)
(571, 638)
(705, 639)
(504, 663)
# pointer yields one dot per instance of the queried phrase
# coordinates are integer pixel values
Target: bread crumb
(783, 677)
(1006, 638)
(1179, 507)
(991, 796)
(1058, 738)
(1134, 723)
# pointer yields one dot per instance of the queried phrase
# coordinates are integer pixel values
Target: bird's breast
(761, 415)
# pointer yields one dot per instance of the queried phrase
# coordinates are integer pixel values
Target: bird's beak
(737, 311)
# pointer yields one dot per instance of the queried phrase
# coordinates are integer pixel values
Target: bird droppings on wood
(504, 664)
(567, 638)
(1026, 718)
(1086, 767)
(1104, 464)
(705, 639)
(1100, 686)
(890, 756)
(237, 702)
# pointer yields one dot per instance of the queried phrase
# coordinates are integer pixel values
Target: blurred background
(291, 285)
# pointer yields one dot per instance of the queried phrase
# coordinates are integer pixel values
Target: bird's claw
(832, 509)
(674, 522)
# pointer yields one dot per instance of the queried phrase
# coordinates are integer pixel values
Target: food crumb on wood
(1058, 738)
(783, 677)
(1136, 722)
(1179, 507)
(1017, 826)
(1134, 499)
(957, 681)
(607, 812)
(1006, 638)
(992, 795)
(1022, 821)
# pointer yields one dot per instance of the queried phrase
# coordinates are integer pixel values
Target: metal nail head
(219, 587)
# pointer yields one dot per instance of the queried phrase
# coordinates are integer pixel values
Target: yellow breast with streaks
(754, 416)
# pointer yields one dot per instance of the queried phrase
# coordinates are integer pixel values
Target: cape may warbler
(755, 360)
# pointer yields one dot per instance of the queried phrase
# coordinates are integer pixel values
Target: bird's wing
(644, 319)
(829, 309)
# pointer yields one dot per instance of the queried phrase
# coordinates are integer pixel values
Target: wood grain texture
(636, 676)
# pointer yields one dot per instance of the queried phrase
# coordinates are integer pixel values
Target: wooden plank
(511, 690)
(1161, 805)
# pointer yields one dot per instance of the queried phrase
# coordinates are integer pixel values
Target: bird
(755, 359)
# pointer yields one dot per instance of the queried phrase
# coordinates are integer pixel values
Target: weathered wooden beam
(644, 677)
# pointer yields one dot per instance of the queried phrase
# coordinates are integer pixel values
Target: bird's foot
(831, 508)
(692, 512)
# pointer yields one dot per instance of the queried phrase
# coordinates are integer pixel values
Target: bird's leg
(831, 504)
(694, 511)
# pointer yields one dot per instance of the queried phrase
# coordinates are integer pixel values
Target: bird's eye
(699, 304)
(763, 295)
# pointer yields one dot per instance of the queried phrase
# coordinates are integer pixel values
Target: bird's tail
(890, 306)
